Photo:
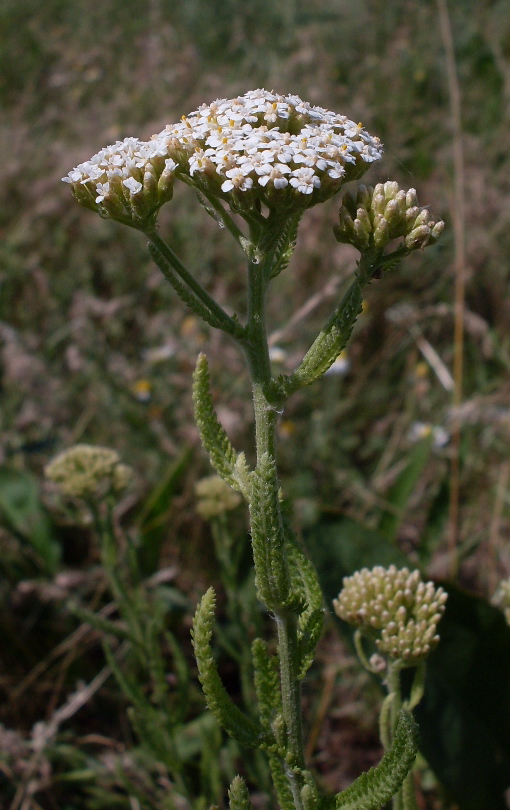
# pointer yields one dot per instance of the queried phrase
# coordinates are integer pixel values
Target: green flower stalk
(257, 163)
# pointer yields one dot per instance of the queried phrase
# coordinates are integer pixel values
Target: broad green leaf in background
(464, 716)
(152, 519)
(404, 486)
(22, 513)
(340, 547)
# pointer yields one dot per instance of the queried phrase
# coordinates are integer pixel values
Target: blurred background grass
(95, 348)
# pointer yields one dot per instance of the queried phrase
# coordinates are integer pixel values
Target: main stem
(405, 799)
(266, 416)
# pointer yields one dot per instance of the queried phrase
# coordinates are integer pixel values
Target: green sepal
(238, 796)
(267, 683)
(268, 536)
(305, 584)
(230, 718)
(227, 463)
(373, 789)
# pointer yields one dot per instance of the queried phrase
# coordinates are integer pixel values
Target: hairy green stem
(257, 352)
(222, 319)
(405, 799)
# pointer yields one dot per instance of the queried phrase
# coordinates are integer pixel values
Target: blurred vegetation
(95, 348)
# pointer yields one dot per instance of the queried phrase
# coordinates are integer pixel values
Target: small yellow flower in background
(215, 497)
(286, 428)
(85, 471)
(394, 608)
(189, 326)
(501, 598)
(142, 390)
(421, 370)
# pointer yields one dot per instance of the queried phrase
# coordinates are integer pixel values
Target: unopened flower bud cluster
(501, 598)
(373, 217)
(89, 472)
(215, 497)
(258, 148)
(394, 607)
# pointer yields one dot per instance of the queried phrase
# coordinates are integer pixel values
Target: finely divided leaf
(232, 719)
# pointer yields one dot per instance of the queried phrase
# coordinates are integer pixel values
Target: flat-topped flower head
(272, 149)
(258, 149)
(395, 608)
(88, 472)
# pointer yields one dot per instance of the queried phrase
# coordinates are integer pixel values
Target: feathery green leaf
(222, 455)
(232, 719)
(305, 583)
(374, 788)
(267, 682)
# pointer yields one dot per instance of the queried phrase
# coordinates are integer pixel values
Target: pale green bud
(390, 189)
(376, 216)
(395, 608)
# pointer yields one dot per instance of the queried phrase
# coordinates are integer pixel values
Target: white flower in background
(422, 430)
(89, 472)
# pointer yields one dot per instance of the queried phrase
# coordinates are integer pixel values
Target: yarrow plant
(257, 163)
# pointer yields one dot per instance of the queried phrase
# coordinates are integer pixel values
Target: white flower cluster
(127, 181)
(263, 140)
(260, 146)
(89, 472)
(396, 608)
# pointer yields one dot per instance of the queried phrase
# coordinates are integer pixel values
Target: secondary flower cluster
(394, 607)
(261, 147)
(215, 497)
(88, 472)
(128, 181)
(376, 216)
